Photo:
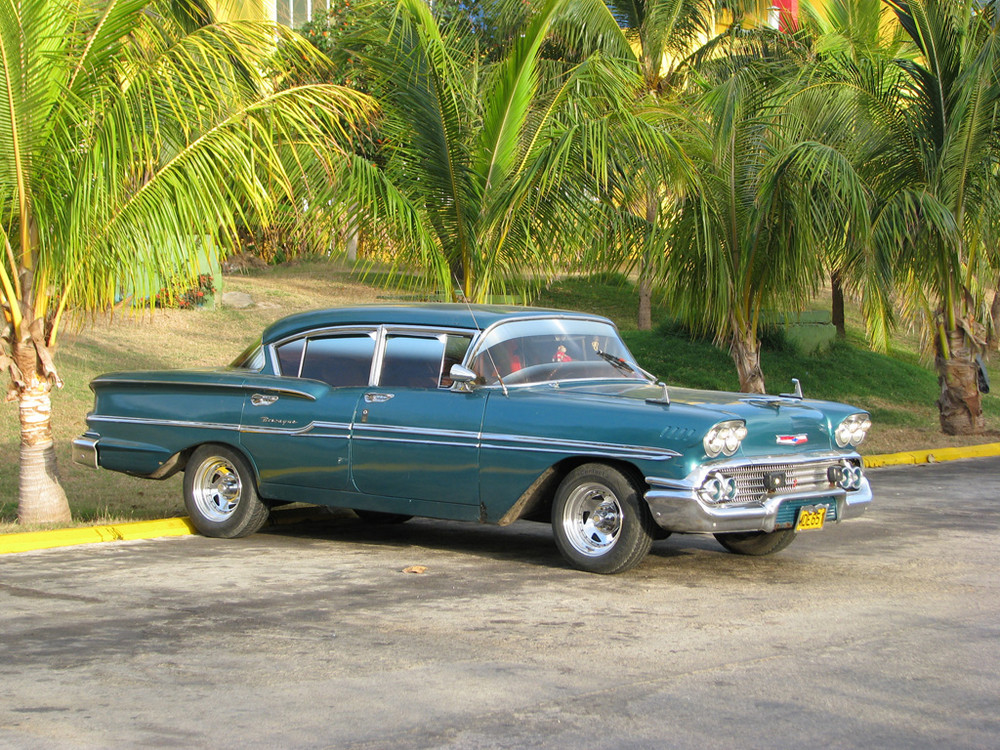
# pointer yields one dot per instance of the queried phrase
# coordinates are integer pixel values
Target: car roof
(443, 315)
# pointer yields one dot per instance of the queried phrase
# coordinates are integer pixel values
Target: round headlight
(724, 437)
(714, 443)
(852, 430)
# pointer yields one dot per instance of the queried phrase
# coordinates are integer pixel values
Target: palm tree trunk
(837, 305)
(994, 334)
(41, 498)
(645, 318)
(353, 232)
(745, 351)
(960, 405)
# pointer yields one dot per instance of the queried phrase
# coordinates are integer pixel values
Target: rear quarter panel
(143, 419)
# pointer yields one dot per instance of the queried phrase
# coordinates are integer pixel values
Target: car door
(301, 445)
(413, 437)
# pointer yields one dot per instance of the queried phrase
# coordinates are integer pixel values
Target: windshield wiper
(620, 363)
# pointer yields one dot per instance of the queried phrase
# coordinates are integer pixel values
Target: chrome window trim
(316, 332)
(473, 351)
(380, 332)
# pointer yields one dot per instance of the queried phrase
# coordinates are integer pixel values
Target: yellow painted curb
(33, 540)
(932, 455)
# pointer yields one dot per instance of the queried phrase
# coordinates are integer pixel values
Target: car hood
(775, 424)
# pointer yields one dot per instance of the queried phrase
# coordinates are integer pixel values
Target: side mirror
(462, 377)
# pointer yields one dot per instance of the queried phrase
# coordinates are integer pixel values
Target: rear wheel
(600, 521)
(757, 543)
(220, 493)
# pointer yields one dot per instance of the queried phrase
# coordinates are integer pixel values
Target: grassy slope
(898, 389)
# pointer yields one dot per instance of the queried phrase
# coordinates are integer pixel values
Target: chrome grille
(801, 477)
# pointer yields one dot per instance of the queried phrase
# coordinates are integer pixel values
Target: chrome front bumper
(85, 451)
(677, 506)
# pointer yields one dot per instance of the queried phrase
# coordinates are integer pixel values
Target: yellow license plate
(811, 517)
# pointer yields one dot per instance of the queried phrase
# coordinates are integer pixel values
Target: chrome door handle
(259, 399)
(378, 398)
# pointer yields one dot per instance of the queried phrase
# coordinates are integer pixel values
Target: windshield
(552, 349)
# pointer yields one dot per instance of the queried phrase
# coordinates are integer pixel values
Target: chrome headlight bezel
(724, 438)
(852, 430)
(718, 489)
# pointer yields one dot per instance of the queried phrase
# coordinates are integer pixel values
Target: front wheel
(600, 521)
(220, 494)
(756, 543)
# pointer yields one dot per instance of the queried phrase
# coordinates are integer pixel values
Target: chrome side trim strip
(341, 430)
(416, 435)
(551, 445)
(165, 422)
(426, 436)
(287, 390)
(343, 427)
(424, 431)
(451, 443)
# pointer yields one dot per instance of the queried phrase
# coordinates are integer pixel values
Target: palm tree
(845, 36)
(659, 36)
(500, 156)
(131, 133)
(935, 183)
(751, 236)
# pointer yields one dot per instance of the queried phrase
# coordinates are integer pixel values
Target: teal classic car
(487, 414)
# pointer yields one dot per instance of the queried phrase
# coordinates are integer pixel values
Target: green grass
(898, 389)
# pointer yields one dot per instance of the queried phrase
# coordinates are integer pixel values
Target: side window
(412, 361)
(339, 360)
(290, 357)
(455, 348)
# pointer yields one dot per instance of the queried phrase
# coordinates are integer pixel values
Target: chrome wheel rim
(216, 489)
(592, 519)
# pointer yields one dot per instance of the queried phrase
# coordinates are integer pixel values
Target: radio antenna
(479, 328)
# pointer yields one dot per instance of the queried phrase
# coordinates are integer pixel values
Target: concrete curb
(35, 540)
(932, 455)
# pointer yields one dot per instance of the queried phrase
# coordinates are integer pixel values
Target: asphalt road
(879, 632)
